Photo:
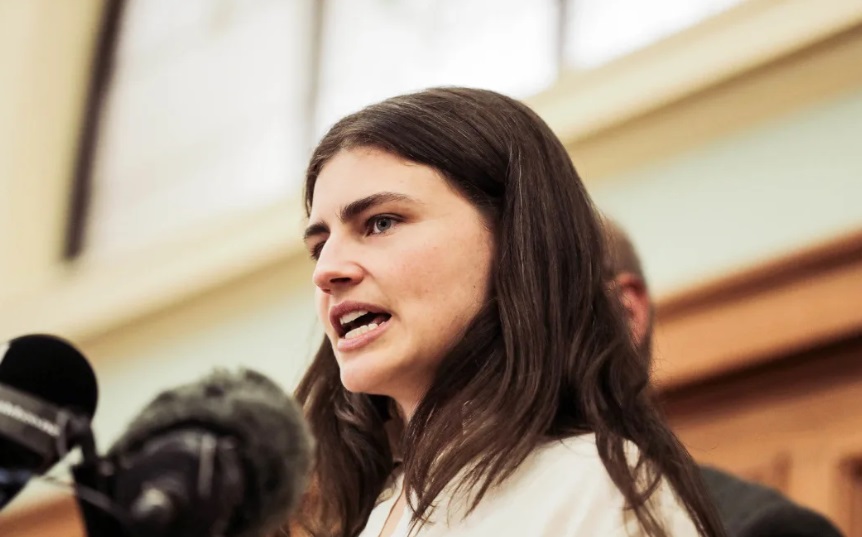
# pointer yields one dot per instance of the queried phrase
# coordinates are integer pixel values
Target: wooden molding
(776, 309)
(806, 78)
(757, 61)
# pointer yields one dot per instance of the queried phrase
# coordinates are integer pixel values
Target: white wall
(45, 52)
(794, 181)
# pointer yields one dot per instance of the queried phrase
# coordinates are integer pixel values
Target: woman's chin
(360, 380)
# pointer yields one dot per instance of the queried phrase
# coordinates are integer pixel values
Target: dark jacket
(750, 510)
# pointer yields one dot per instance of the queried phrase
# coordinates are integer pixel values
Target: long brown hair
(548, 357)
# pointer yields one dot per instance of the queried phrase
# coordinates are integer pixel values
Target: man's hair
(621, 257)
(620, 253)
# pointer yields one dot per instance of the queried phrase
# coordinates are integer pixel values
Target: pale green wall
(274, 332)
(746, 198)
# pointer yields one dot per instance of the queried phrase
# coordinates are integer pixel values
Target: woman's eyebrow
(356, 208)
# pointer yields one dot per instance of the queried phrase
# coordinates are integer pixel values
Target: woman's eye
(381, 224)
(315, 251)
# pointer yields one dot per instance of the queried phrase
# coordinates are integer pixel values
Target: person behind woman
(476, 377)
(747, 509)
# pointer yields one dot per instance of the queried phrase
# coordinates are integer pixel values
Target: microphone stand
(92, 475)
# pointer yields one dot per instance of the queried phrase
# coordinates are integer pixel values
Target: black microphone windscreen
(273, 442)
(39, 376)
(51, 369)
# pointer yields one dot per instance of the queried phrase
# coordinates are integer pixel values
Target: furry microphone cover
(275, 445)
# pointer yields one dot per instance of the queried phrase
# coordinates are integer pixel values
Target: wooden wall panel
(795, 425)
(766, 313)
(853, 502)
(57, 518)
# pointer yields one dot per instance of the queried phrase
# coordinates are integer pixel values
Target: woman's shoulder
(579, 448)
(568, 468)
(570, 456)
(560, 483)
(567, 481)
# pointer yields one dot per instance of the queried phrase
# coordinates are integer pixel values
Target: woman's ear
(633, 295)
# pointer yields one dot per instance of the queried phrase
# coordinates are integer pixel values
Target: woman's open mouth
(358, 324)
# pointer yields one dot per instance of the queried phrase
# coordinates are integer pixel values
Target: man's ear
(636, 302)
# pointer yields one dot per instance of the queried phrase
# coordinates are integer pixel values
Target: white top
(561, 490)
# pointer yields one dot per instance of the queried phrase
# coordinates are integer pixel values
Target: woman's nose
(336, 268)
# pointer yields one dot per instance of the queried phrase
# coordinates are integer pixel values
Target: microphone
(48, 393)
(227, 456)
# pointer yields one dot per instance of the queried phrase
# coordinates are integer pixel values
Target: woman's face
(403, 265)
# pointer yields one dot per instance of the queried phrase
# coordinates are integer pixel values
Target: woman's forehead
(359, 173)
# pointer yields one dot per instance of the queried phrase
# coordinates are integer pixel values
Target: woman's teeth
(364, 329)
(352, 316)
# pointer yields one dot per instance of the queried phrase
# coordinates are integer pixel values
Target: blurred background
(152, 154)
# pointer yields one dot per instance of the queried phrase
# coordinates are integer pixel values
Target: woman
(476, 378)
